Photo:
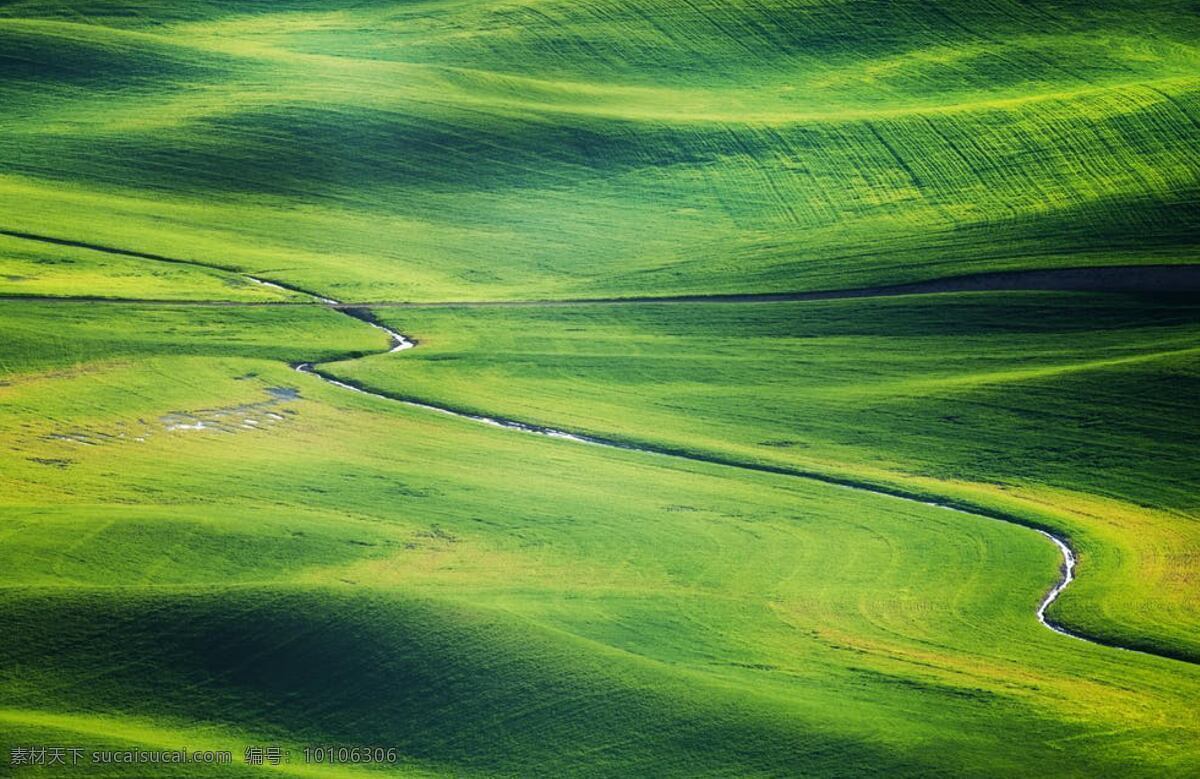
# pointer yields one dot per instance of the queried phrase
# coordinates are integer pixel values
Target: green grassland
(1004, 400)
(201, 546)
(437, 150)
(36, 268)
(362, 571)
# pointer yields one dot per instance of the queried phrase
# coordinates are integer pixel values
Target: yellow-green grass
(489, 150)
(200, 546)
(35, 268)
(499, 603)
(1071, 411)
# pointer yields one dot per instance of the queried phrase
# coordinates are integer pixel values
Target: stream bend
(1178, 279)
(399, 342)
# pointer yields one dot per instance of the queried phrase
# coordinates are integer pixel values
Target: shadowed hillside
(946, 531)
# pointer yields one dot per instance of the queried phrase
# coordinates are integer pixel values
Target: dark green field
(574, 531)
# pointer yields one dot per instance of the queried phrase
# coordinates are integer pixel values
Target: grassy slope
(457, 600)
(1047, 405)
(455, 150)
(407, 579)
(35, 268)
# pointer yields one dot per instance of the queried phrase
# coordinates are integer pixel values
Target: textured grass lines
(200, 544)
(1014, 412)
(636, 148)
(477, 598)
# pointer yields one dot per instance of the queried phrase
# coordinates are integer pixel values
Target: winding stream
(1068, 576)
(1183, 279)
(399, 342)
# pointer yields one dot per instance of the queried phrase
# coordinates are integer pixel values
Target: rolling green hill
(1045, 406)
(456, 150)
(346, 569)
(202, 546)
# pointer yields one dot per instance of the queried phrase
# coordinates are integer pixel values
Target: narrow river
(1175, 279)
(399, 342)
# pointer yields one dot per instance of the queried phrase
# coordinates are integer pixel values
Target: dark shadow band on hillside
(1174, 281)
(1181, 280)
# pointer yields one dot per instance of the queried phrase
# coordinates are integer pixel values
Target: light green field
(1014, 411)
(34, 268)
(361, 572)
(202, 547)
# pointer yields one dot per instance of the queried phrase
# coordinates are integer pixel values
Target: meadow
(1002, 400)
(358, 571)
(202, 546)
(450, 150)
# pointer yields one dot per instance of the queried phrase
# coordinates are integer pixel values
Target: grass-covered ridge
(462, 150)
(356, 569)
(1043, 406)
(202, 545)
